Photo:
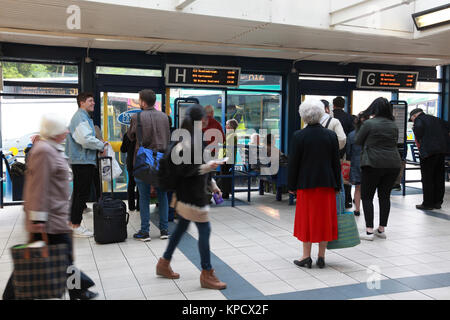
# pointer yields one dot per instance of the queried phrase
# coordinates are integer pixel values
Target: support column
(291, 116)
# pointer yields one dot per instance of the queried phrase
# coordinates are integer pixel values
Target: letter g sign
(371, 79)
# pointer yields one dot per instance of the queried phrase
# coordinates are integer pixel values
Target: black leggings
(381, 180)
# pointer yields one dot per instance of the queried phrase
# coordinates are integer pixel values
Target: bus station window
(426, 101)
(259, 82)
(205, 97)
(129, 71)
(361, 99)
(37, 72)
(254, 111)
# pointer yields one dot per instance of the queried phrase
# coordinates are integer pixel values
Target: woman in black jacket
(314, 173)
(192, 201)
(128, 147)
(380, 163)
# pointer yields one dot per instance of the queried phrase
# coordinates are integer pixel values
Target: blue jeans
(204, 231)
(144, 204)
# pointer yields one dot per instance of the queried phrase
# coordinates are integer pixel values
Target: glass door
(116, 111)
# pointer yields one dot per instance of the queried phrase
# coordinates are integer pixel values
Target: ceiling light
(432, 18)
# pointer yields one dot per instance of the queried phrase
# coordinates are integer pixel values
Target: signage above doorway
(202, 76)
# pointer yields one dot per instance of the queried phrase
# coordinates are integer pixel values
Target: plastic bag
(106, 165)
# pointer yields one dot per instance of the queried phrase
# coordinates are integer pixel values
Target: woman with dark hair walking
(192, 201)
(380, 163)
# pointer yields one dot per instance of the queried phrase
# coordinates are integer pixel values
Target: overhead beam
(184, 4)
(363, 9)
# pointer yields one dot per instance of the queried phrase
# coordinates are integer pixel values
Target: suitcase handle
(128, 217)
(101, 175)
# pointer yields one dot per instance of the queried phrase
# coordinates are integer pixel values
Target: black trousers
(348, 194)
(83, 178)
(433, 179)
(381, 180)
(133, 196)
(85, 281)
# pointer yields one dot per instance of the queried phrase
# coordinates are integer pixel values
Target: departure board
(202, 76)
(399, 110)
(383, 79)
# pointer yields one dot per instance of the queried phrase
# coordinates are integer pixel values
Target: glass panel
(129, 71)
(41, 90)
(362, 99)
(254, 111)
(116, 125)
(426, 86)
(20, 120)
(205, 97)
(37, 72)
(426, 101)
(260, 82)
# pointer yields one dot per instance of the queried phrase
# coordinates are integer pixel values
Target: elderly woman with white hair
(46, 198)
(314, 174)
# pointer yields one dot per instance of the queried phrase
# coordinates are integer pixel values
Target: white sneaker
(379, 234)
(82, 232)
(365, 236)
(87, 210)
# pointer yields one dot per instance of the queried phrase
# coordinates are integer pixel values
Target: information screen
(376, 79)
(202, 76)
(399, 112)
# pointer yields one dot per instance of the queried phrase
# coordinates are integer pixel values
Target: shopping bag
(110, 165)
(348, 235)
(345, 169)
(40, 273)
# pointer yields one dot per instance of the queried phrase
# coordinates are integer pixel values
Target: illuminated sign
(376, 79)
(202, 76)
(125, 117)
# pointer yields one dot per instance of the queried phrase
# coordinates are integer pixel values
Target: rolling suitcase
(110, 217)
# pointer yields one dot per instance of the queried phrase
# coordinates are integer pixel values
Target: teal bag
(348, 235)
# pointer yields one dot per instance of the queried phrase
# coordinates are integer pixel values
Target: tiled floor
(252, 250)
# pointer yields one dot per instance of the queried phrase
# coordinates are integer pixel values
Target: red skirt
(316, 215)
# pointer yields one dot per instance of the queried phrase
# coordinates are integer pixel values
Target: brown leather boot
(163, 269)
(210, 281)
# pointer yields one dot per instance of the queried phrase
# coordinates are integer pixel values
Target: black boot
(82, 295)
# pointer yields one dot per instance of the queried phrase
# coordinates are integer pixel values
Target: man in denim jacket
(81, 148)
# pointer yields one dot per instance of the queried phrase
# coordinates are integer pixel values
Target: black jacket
(314, 159)
(128, 147)
(432, 134)
(345, 119)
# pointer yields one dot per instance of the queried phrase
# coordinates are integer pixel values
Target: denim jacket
(81, 144)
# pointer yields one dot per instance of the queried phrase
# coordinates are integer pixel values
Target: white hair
(52, 125)
(311, 110)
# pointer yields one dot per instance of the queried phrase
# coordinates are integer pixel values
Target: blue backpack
(146, 166)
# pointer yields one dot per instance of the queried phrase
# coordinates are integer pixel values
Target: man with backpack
(152, 133)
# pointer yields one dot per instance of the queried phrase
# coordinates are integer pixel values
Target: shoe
(397, 187)
(87, 210)
(379, 234)
(164, 235)
(82, 232)
(84, 295)
(305, 262)
(357, 213)
(348, 205)
(142, 236)
(437, 206)
(365, 236)
(163, 269)
(209, 280)
(422, 207)
(320, 262)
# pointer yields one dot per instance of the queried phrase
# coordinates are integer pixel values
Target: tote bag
(40, 273)
(348, 235)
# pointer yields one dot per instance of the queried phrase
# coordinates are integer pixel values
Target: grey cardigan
(378, 139)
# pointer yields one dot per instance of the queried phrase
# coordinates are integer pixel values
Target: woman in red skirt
(315, 175)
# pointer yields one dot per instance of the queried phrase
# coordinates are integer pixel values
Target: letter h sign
(179, 74)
